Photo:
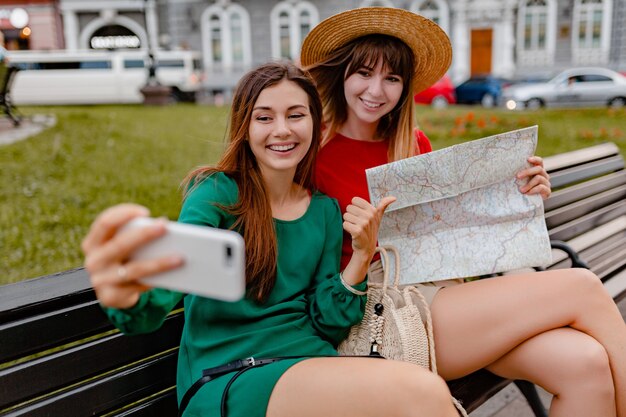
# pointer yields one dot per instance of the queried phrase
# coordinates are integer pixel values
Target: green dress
(308, 312)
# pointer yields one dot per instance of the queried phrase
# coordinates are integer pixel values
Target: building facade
(31, 24)
(509, 38)
(114, 24)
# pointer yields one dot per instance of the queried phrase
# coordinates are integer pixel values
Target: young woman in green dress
(297, 303)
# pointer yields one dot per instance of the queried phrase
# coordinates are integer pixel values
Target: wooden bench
(59, 355)
(7, 75)
(586, 219)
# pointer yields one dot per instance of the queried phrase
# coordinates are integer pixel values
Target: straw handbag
(396, 324)
(401, 329)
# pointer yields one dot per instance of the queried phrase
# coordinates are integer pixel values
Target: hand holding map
(459, 211)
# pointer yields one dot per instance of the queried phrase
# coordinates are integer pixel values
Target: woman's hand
(113, 277)
(362, 221)
(538, 178)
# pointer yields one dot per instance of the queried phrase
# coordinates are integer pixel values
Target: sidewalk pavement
(28, 127)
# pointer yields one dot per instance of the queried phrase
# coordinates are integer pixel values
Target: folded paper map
(459, 212)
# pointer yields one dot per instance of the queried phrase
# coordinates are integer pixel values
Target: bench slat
(612, 261)
(583, 172)
(581, 208)
(567, 159)
(45, 294)
(155, 407)
(61, 369)
(593, 254)
(576, 227)
(107, 394)
(616, 286)
(593, 237)
(583, 190)
(49, 330)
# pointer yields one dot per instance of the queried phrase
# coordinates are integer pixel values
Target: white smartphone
(214, 260)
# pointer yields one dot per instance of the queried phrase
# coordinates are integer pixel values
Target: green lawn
(54, 184)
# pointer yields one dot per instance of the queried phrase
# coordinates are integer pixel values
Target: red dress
(340, 172)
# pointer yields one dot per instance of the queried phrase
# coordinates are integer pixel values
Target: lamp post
(154, 93)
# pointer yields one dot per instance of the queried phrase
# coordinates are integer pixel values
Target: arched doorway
(114, 37)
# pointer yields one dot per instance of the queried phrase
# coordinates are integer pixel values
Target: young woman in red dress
(559, 329)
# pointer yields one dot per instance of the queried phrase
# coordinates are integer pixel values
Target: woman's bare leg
(569, 364)
(359, 387)
(477, 323)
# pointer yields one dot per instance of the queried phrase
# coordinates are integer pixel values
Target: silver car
(576, 87)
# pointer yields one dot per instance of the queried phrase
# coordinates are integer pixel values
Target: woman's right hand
(362, 220)
(113, 277)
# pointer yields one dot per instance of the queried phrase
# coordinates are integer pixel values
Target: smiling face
(281, 127)
(371, 93)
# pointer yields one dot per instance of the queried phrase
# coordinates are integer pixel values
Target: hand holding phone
(214, 264)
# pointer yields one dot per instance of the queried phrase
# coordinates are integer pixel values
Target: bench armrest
(571, 253)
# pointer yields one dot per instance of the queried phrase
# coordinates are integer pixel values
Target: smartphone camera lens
(229, 254)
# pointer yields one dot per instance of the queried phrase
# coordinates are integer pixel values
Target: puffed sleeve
(198, 208)
(148, 314)
(334, 306)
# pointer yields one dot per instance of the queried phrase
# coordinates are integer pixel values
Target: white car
(576, 87)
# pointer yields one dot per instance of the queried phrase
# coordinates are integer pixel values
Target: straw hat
(429, 43)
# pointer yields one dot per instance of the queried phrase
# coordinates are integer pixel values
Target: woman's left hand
(538, 178)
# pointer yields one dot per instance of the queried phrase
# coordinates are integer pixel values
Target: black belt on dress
(210, 374)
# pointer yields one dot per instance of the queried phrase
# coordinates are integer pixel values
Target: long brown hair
(330, 75)
(253, 210)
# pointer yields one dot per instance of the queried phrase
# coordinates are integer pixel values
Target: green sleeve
(332, 306)
(198, 208)
(148, 314)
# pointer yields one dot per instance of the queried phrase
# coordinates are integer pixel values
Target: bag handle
(383, 250)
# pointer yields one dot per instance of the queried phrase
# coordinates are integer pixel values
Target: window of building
(290, 22)
(226, 36)
(536, 32)
(436, 10)
(284, 25)
(535, 22)
(430, 10)
(236, 38)
(215, 30)
(589, 23)
(591, 31)
(305, 23)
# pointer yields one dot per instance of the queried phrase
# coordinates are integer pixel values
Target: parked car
(485, 89)
(439, 95)
(576, 87)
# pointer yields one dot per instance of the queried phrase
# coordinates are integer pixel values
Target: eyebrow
(390, 72)
(295, 106)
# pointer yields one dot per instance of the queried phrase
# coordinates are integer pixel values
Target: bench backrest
(60, 356)
(588, 211)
